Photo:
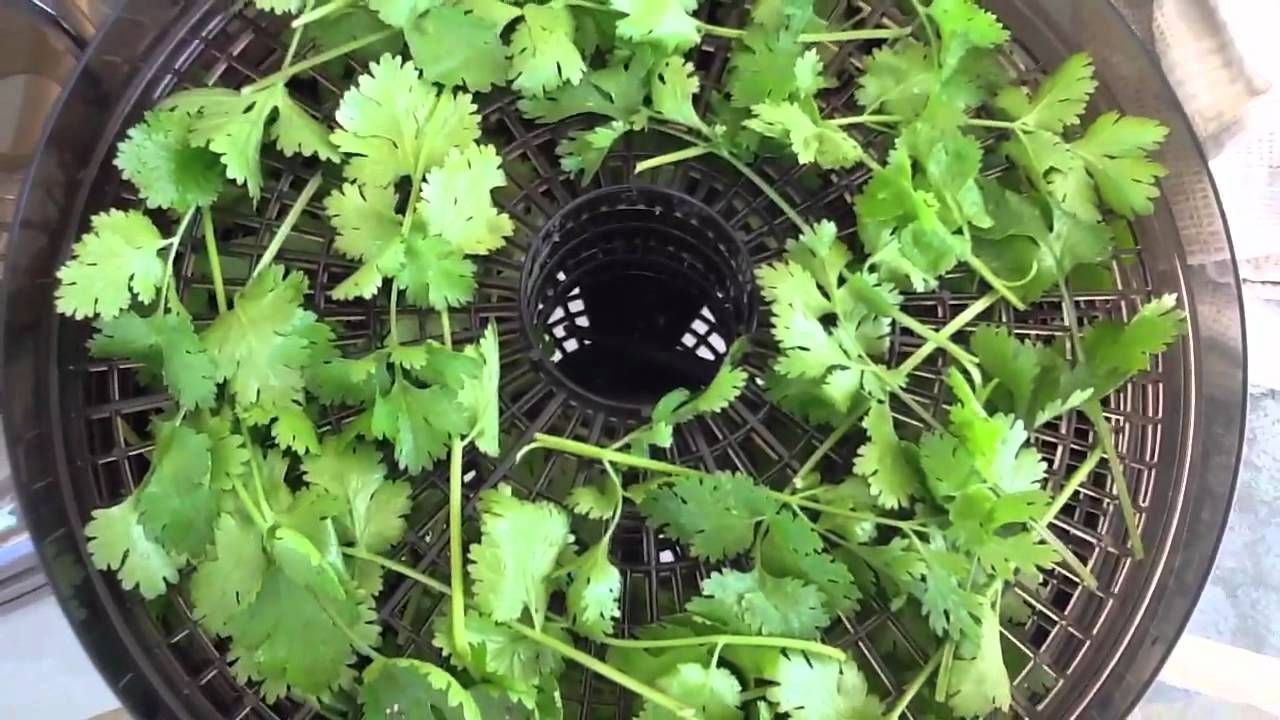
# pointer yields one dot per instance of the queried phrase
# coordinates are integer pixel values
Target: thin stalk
(1082, 573)
(852, 35)
(851, 514)
(215, 261)
(933, 336)
(249, 506)
(995, 281)
(594, 452)
(1073, 483)
(943, 685)
(457, 600)
(321, 12)
(866, 120)
(174, 243)
(284, 74)
(393, 332)
(354, 639)
(957, 324)
(670, 158)
(264, 506)
(913, 687)
(606, 671)
(808, 646)
(286, 227)
(422, 579)
(917, 408)
(809, 464)
(1093, 410)
(994, 124)
(926, 22)
(719, 31)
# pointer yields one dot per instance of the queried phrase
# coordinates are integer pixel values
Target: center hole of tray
(630, 292)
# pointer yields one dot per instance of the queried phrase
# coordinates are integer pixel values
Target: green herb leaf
(157, 156)
(457, 200)
(418, 421)
(396, 687)
(811, 139)
(792, 548)
(543, 56)
(113, 263)
(714, 515)
(594, 593)
(227, 582)
(714, 693)
(1115, 151)
(168, 346)
(757, 603)
(668, 23)
(887, 462)
(819, 688)
(473, 54)
(979, 680)
(1059, 101)
(520, 543)
(118, 541)
(583, 151)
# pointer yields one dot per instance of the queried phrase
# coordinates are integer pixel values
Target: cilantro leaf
(168, 346)
(479, 393)
(436, 274)
(668, 23)
(473, 54)
(583, 151)
(366, 220)
(1115, 151)
(373, 509)
(1059, 101)
(898, 78)
(457, 200)
(543, 56)
(714, 693)
(597, 500)
(792, 548)
(714, 515)
(763, 69)
(230, 580)
(1117, 351)
(520, 542)
(176, 504)
(391, 686)
(811, 139)
(617, 90)
(820, 688)
(979, 680)
(419, 422)
(401, 13)
(113, 263)
(675, 85)
(594, 593)
(886, 461)
(391, 120)
(259, 346)
(964, 27)
(757, 603)
(1032, 379)
(157, 156)
(287, 614)
(118, 541)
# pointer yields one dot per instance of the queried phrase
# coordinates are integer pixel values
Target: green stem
(670, 158)
(286, 227)
(913, 687)
(719, 31)
(1093, 410)
(321, 12)
(249, 506)
(606, 671)
(457, 600)
(927, 23)
(284, 74)
(393, 332)
(841, 430)
(994, 124)
(174, 243)
(747, 172)
(1081, 571)
(866, 120)
(264, 506)
(594, 452)
(1073, 483)
(851, 514)
(995, 281)
(422, 579)
(933, 336)
(915, 406)
(808, 646)
(957, 324)
(215, 261)
(852, 35)
(941, 688)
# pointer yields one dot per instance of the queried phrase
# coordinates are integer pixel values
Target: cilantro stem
(808, 646)
(249, 505)
(721, 31)
(913, 687)
(422, 579)
(670, 158)
(1081, 571)
(943, 685)
(321, 12)
(747, 172)
(604, 670)
(284, 74)
(957, 324)
(286, 227)
(393, 332)
(928, 25)
(457, 598)
(995, 124)
(851, 514)
(594, 452)
(866, 120)
(174, 243)
(812, 461)
(264, 506)
(215, 262)
(852, 35)
(995, 281)
(1093, 411)
(933, 336)
(1073, 483)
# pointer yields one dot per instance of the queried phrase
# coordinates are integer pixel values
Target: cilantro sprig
(282, 523)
